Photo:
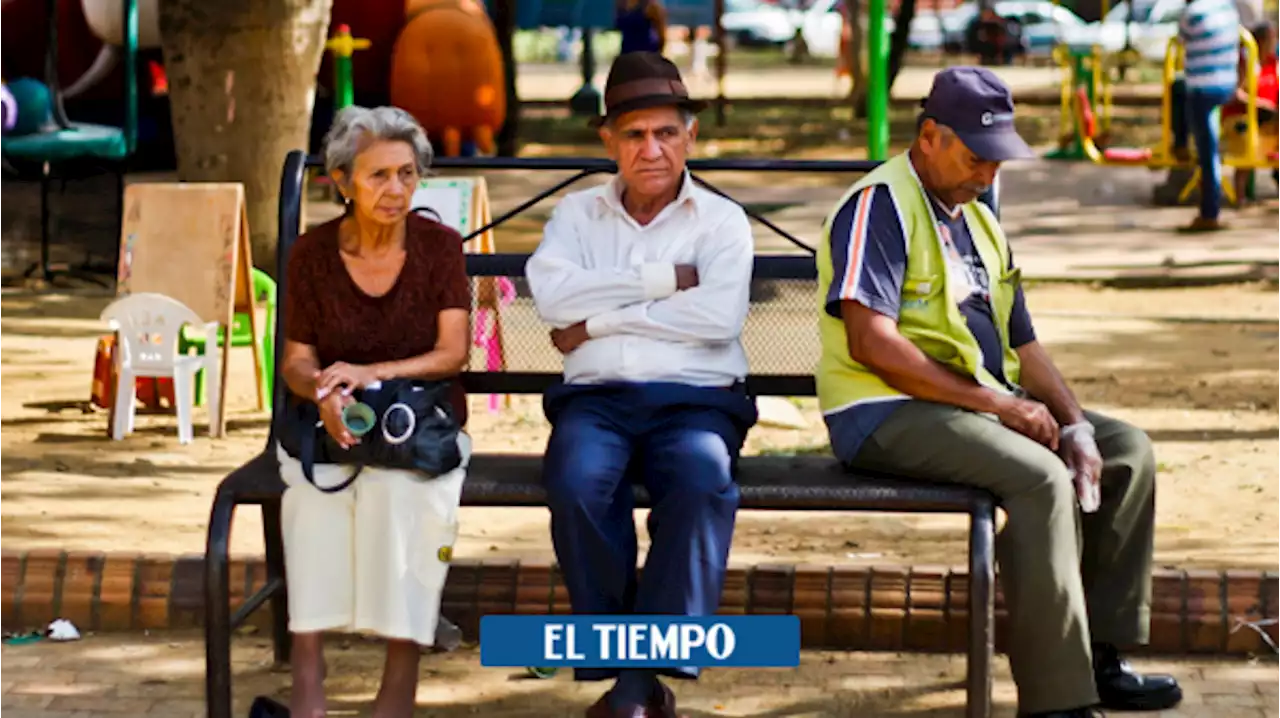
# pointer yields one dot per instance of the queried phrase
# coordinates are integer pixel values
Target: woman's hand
(345, 376)
(331, 414)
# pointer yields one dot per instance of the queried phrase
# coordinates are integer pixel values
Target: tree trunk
(242, 83)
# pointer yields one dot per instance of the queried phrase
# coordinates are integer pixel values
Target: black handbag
(413, 427)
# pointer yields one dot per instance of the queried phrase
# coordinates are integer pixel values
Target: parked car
(1148, 27)
(754, 23)
(1043, 24)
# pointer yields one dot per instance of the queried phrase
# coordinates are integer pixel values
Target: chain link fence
(780, 336)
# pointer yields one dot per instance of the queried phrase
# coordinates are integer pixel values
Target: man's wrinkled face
(650, 147)
(956, 174)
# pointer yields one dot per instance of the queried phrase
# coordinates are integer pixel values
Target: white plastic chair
(148, 325)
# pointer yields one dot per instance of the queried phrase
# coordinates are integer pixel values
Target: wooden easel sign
(190, 241)
(462, 203)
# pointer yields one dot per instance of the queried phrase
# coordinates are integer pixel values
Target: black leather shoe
(1123, 689)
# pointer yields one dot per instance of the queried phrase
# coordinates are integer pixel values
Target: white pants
(373, 557)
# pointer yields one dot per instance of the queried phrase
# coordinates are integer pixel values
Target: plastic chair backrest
(264, 287)
(149, 325)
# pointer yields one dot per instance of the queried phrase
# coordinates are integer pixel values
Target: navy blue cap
(976, 104)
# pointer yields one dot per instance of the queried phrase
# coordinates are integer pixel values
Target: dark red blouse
(327, 310)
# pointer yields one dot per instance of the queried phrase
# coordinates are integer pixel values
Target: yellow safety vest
(928, 316)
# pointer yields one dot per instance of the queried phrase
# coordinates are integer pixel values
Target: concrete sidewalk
(162, 675)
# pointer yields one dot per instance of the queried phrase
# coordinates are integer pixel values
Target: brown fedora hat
(639, 80)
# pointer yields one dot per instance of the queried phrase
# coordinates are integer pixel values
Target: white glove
(1080, 453)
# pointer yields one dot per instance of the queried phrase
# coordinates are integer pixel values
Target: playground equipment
(1090, 69)
(446, 71)
(65, 140)
(1248, 150)
(342, 46)
(32, 106)
(103, 18)
(1246, 153)
(10, 108)
(1088, 126)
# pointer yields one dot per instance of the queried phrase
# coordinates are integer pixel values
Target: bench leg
(981, 609)
(274, 540)
(217, 611)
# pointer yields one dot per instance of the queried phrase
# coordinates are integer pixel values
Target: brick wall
(913, 608)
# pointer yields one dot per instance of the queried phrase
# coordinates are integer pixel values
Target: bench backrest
(780, 336)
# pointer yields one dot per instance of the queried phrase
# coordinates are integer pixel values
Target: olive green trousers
(1068, 578)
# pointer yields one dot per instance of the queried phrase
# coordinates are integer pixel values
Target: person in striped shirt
(1210, 33)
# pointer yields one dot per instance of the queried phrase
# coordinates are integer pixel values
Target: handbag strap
(307, 458)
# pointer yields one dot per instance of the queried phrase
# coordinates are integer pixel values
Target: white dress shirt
(597, 264)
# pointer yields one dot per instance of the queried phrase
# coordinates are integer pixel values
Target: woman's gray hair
(355, 128)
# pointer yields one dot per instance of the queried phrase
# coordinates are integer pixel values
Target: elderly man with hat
(930, 368)
(645, 280)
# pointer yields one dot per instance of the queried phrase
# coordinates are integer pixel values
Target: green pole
(343, 46)
(877, 84)
(344, 85)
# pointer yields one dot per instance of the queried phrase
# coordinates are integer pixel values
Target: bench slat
(765, 482)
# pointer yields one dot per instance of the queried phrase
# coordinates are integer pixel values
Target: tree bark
(242, 84)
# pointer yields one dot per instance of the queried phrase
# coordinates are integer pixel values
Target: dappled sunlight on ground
(1206, 392)
(162, 675)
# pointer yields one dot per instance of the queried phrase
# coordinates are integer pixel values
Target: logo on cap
(990, 118)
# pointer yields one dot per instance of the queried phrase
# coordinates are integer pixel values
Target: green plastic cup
(358, 418)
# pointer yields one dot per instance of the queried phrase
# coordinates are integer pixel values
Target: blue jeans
(682, 443)
(1193, 108)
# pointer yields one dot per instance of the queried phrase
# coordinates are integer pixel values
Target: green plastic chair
(66, 140)
(192, 340)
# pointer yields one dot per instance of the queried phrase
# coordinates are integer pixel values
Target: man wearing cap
(930, 368)
(646, 281)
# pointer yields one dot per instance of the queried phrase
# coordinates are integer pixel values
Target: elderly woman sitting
(378, 294)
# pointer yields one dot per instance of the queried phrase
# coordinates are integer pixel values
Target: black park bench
(780, 339)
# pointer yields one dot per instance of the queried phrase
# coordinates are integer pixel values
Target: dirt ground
(1205, 390)
(161, 675)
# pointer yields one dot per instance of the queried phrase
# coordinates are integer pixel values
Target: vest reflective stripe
(928, 316)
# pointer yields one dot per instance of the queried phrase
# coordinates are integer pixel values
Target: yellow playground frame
(1087, 124)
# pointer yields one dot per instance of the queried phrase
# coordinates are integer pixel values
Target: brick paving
(162, 674)
(885, 608)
